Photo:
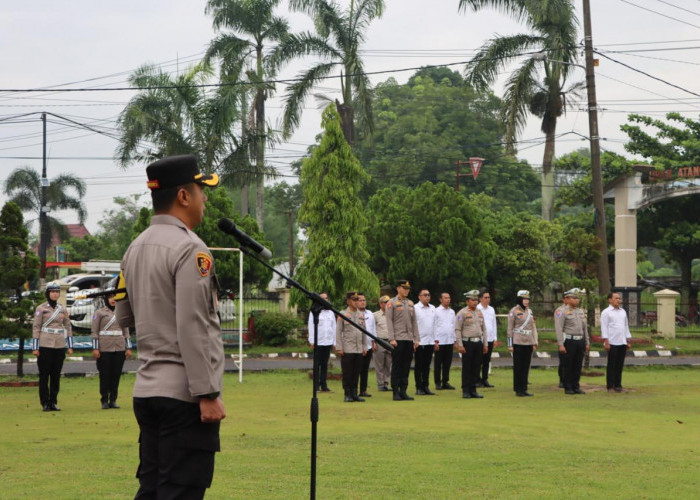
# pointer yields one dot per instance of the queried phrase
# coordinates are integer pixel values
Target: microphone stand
(319, 304)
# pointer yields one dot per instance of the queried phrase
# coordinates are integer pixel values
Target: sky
(83, 43)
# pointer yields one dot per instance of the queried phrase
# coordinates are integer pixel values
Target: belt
(573, 337)
(111, 333)
(473, 339)
(55, 331)
(522, 332)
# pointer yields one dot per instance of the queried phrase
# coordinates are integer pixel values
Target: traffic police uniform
(351, 342)
(402, 328)
(172, 303)
(470, 333)
(522, 337)
(51, 333)
(112, 341)
(572, 333)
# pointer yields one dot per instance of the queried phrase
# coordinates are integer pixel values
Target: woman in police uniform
(111, 345)
(51, 332)
(522, 341)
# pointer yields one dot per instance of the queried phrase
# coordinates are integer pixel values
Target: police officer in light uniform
(471, 341)
(572, 337)
(172, 302)
(403, 335)
(522, 341)
(382, 357)
(350, 346)
(51, 332)
(111, 345)
(370, 345)
(324, 344)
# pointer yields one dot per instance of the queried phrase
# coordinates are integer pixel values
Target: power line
(660, 14)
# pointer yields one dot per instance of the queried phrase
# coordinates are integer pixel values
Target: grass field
(643, 444)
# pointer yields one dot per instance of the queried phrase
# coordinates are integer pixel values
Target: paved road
(78, 368)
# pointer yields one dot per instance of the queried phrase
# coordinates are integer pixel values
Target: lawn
(643, 444)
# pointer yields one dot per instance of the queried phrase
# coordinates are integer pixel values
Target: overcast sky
(81, 43)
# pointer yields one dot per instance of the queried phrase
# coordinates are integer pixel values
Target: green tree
(538, 85)
(252, 26)
(18, 265)
(431, 235)
(283, 201)
(338, 39)
(65, 192)
(332, 216)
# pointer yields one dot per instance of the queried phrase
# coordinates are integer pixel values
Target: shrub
(274, 328)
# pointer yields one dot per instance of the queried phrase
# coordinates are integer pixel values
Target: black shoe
(54, 407)
(569, 391)
(527, 394)
(620, 389)
(46, 408)
(365, 394)
(349, 399)
(487, 384)
(405, 396)
(438, 386)
(448, 387)
(114, 404)
(479, 384)
(420, 392)
(105, 406)
(561, 385)
(520, 394)
(579, 391)
(428, 392)
(325, 389)
(476, 395)
(383, 389)
(397, 397)
(466, 395)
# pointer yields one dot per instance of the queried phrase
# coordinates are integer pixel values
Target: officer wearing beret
(402, 329)
(471, 341)
(350, 346)
(172, 302)
(111, 345)
(51, 332)
(572, 337)
(522, 341)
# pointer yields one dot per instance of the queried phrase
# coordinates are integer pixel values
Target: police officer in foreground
(51, 332)
(111, 345)
(522, 341)
(572, 337)
(350, 346)
(403, 335)
(471, 341)
(172, 302)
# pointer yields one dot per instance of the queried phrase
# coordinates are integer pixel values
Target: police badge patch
(204, 263)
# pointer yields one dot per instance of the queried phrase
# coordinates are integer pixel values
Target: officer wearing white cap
(572, 337)
(172, 302)
(51, 332)
(471, 341)
(522, 341)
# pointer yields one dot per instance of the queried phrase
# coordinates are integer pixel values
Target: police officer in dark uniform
(172, 302)
(51, 332)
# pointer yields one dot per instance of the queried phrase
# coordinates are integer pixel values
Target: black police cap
(174, 171)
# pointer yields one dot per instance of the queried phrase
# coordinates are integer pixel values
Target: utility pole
(43, 223)
(291, 243)
(596, 175)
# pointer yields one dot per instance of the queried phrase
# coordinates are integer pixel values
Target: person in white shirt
(371, 346)
(326, 340)
(445, 337)
(615, 331)
(382, 357)
(491, 335)
(425, 317)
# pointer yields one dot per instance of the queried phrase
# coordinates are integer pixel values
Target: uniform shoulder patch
(204, 263)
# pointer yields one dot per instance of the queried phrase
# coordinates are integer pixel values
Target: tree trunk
(20, 358)
(347, 122)
(245, 200)
(260, 142)
(548, 176)
(245, 203)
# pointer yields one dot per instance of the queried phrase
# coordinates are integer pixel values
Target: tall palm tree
(537, 85)
(340, 33)
(65, 192)
(241, 53)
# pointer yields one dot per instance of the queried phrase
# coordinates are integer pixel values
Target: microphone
(228, 227)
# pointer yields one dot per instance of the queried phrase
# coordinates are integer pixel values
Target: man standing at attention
(445, 337)
(172, 301)
(615, 331)
(491, 335)
(403, 335)
(470, 335)
(572, 336)
(350, 346)
(370, 345)
(382, 357)
(324, 344)
(425, 318)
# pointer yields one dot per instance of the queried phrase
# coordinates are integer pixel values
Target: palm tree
(537, 86)
(339, 36)
(65, 192)
(253, 25)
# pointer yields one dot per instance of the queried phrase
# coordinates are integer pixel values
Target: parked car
(81, 310)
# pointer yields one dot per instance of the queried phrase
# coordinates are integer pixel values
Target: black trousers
(110, 365)
(351, 364)
(176, 450)
(616, 361)
(323, 354)
(364, 370)
(522, 355)
(486, 363)
(401, 364)
(421, 371)
(50, 363)
(575, 350)
(471, 364)
(443, 363)
(562, 365)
